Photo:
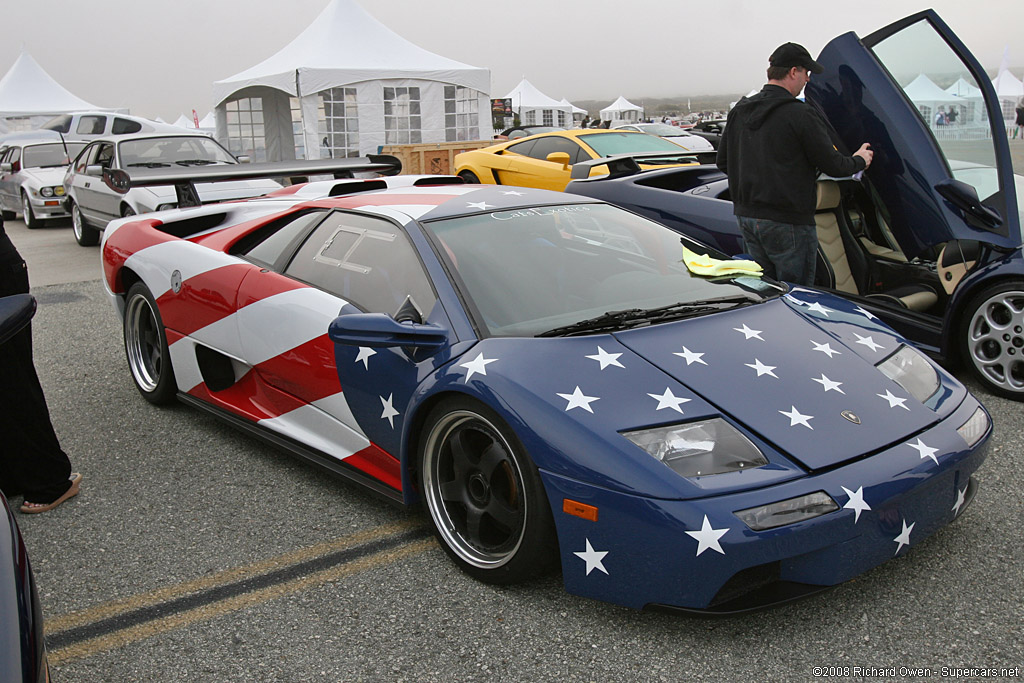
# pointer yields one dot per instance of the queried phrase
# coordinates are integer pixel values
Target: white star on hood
(762, 369)
(606, 359)
(593, 558)
(825, 348)
(817, 307)
(749, 333)
(364, 356)
(866, 312)
(708, 537)
(829, 384)
(961, 498)
(795, 418)
(691, 357)
(856, 502)
(577, 399)
(668, 400)
(478, 205)
(868, 342)
(925, 451)
(389, 413)
(893, 400)
(904, 537)
(477, 365)
(513, 192)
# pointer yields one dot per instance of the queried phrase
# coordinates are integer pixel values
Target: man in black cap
(772, 149)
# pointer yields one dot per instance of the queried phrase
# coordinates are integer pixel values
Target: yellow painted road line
(116, 607)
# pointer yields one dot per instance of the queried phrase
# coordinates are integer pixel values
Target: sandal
(34, 508)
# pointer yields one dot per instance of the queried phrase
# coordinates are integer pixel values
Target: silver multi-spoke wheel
(31, 221)
(484, 495)
(994, 338)
(146, 346)
(85, 234)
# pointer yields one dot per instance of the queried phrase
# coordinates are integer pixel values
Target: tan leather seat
(828, 220)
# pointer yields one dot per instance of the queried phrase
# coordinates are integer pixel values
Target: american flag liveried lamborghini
(553, 383)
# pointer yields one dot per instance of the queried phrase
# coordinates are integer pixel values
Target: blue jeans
(786, 252)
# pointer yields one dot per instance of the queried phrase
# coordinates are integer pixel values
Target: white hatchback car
(32, 178)
(692, 143)
(92, 203)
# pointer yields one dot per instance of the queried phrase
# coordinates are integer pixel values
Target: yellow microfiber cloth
(702, 264)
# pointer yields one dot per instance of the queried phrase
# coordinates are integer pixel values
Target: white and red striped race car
(555, 383)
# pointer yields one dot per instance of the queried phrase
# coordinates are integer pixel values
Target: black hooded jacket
(772, 149)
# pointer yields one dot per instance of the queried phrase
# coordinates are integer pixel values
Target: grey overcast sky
(160, 57)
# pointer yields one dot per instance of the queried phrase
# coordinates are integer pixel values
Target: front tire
(145, 344)
(484, 495)
(85, 234)
(31, 222)
(992, 340)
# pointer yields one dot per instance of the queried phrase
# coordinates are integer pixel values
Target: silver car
(677, 135)
(93, 204)
(32, 178)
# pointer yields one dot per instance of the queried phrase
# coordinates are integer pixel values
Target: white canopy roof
(526, 96)
(1007, 85)
(619, 105)
(964, 89)
(27, 89)
(184, 122)
(346, 45)
(575, 109)
(923, 89)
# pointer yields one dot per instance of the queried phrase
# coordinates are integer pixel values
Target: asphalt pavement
(195, 553)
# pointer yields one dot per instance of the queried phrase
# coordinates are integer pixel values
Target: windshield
(534, 270)
(612, 143)
(61, 124)
(38, 156)
(176, 150)
(985, 180)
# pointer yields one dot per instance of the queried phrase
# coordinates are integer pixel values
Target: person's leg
(791, 248)
(752, 245)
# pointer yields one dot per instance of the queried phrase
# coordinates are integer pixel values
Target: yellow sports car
(545, 161)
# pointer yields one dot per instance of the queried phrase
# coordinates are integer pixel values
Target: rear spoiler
(184, 179)
(621, 165)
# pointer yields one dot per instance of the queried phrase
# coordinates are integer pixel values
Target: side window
(91, 125)
(125, 126)
(105, 154)
(83, 159)
(266, 246)
(523, 148)
(367, 261)
(554, 143)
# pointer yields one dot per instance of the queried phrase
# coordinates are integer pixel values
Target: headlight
(911, 370)
(975, 427)
(698, 449)
(46, 191)
(164, 207)
(59, 191)
(788, 511)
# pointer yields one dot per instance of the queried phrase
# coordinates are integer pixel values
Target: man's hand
(865, 153)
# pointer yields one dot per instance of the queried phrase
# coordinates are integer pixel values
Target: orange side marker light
(577, 509)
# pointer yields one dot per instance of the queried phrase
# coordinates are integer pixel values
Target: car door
(533, 169)
(96, 201)
(349, 402)
(871, 91)
(8, 182)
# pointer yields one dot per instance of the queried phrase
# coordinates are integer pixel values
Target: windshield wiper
(195, 162)
(635, 317)
(149, 164)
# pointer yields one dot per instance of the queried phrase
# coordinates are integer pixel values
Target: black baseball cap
(789, 55)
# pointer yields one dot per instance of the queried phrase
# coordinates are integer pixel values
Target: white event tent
(29, 96)
(622, 110)
(346, 86)
(578, 113)
(1009, 89)
(928, 97)
(970, 100)
(534, 108)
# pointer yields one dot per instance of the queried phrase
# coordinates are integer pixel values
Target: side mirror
(380, 330)
(965, 197)
(559, 158)
(94, 169)
(243, 159)
(6, 168)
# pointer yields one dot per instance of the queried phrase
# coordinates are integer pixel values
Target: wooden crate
(432, 158)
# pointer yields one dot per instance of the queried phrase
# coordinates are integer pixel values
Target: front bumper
(651, 560)
(49, 207)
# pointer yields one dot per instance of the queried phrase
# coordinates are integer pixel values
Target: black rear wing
(184, 179)
(621, 165)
